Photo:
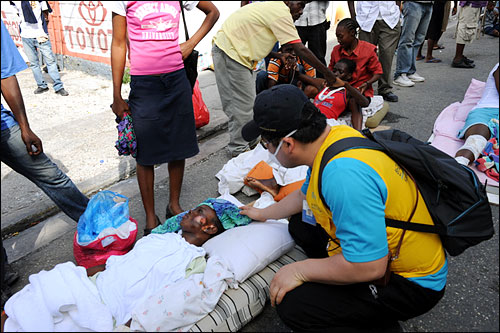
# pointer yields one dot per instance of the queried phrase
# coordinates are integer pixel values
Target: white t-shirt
(367, 12)
(489, 99)
(31, 30)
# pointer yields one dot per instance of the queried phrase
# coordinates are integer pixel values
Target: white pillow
(248, 249)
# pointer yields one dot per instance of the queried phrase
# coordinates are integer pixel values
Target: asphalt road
(471, 302)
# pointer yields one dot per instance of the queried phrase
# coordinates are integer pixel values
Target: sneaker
(416, 78)
(41, 90)
(62, 92)
(404, 81)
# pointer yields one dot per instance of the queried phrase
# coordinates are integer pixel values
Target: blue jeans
(43, 172)
(30, 48)
(416, 18)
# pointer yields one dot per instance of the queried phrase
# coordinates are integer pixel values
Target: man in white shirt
(312, 27)
(34, 18)
(380, 25)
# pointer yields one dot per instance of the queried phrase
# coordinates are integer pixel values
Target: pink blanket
(452, 119)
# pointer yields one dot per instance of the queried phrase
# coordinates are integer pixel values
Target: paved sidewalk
(78, 133)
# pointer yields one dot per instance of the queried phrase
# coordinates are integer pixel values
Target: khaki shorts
(468, 21)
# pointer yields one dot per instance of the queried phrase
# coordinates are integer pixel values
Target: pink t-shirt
(153, 32)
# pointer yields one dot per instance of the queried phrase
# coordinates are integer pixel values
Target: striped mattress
(237, 307)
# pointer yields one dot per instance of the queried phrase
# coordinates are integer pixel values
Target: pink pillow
(472, 96)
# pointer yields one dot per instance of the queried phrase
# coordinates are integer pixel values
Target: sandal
(168, 213)
(438, 47)
(433, 61)
(147, 231)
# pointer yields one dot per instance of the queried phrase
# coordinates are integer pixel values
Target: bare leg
(478, 129)
(419, 53)
(459, 53)
(267, 185)
(176, 175)
(356, 114)
(430, 47)
(146, 177)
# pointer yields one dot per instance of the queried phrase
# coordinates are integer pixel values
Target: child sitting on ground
(332, 102)
(491, 26)
(295, 71)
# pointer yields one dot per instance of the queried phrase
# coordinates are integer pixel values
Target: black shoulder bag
(191, 62)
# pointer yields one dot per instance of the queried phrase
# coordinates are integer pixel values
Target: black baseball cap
(278, 109)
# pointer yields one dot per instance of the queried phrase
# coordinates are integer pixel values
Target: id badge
(307, 214)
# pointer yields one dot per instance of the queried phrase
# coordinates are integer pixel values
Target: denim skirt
(162, 114)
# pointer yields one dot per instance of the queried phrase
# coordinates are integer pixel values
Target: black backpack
(456, 200)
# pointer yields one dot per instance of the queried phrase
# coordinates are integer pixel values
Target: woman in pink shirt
(160, 100)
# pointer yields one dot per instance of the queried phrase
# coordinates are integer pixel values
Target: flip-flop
(438, 47)
(433, 60)
(418, 59)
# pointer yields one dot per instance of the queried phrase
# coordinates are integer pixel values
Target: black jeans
(315, 37)
(360, 306)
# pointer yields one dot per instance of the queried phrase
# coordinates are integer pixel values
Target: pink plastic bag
(98, 251)
(201, 114)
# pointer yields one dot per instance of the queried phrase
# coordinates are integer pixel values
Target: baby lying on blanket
(123, 290)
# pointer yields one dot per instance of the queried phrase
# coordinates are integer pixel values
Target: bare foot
(268, 185)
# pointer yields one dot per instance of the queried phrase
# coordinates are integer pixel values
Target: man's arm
(306, 55)
(12, 94)
(290, 205)
(332, 270)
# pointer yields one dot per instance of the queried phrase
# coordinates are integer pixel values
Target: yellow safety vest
(421, 254)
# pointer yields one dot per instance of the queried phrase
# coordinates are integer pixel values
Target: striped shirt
(277, 72)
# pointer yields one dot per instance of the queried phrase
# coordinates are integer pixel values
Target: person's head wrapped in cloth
(208, 219)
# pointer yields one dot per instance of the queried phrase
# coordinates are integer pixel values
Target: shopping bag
(104, 229)
(201, 114)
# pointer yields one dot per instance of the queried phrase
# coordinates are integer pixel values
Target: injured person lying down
(163, 283)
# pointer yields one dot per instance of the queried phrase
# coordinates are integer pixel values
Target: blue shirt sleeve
(356, 196)
(12, 62)
(305, 186)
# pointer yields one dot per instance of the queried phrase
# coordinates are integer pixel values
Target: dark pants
(315, 37)
(360, 306)
(4, 262)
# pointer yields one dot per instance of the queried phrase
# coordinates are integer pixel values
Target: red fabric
(332, 106)
(295, 41)
(201, 114)
(367, 63)
(95, 253)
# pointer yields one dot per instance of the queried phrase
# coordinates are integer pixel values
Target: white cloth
(178, 306)
(489, 98)
(377, 102)
(313, 14)
(31, 30)
(60, 300)
(155, 261)
(232, 173)
(367, 12)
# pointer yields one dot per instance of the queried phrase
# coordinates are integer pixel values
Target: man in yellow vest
(361, 274)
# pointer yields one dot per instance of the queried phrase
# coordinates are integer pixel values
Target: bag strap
(364, 143)
(184, 20)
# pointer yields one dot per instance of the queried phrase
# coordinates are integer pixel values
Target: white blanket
(65, 300)
(232, 174)
(60, 300)
(156, 260)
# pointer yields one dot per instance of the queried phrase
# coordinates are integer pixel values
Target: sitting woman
(73, 302)
(295, 71)
(368, 67)
(333, 102)
(481, 122)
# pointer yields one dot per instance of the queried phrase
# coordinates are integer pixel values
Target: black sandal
(168, 213)
(462, 64)
(147, 231)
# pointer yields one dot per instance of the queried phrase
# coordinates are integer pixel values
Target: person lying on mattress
(480, 122)
(107, 299)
